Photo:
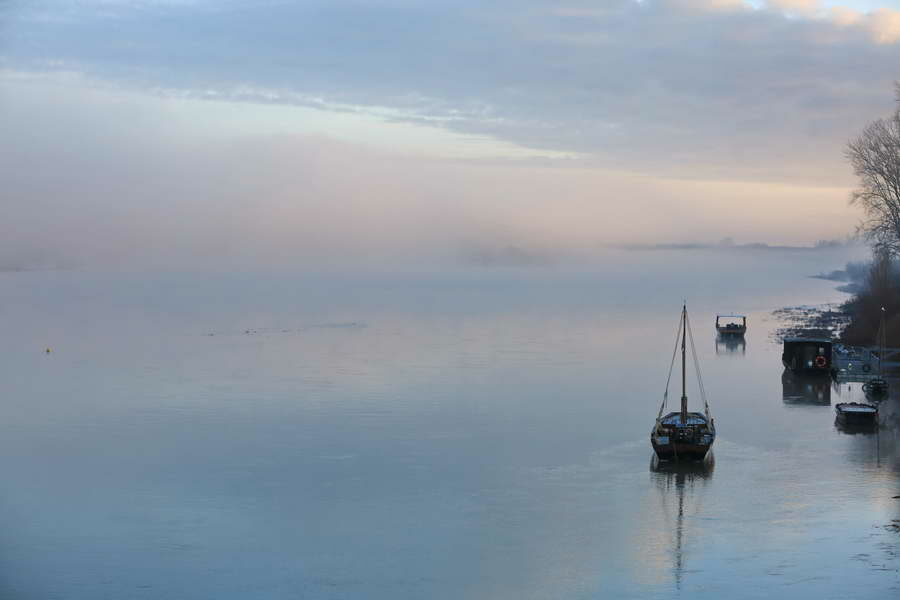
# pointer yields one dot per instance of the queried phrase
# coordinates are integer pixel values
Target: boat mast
(881, 341)
(683, 364)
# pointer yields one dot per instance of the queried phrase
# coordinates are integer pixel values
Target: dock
(861, 362)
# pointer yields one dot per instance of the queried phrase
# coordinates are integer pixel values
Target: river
(465, 433)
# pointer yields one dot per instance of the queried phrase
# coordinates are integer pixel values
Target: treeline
(875, 157)
(877, 288)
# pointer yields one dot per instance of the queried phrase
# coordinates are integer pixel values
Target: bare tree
(875, 157)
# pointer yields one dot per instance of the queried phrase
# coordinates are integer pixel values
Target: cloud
(845, 17)
(706, 5)
(881, 24)
(884, 24)
(679, 88)
(796, 7)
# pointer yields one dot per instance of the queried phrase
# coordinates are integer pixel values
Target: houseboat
(807, 356)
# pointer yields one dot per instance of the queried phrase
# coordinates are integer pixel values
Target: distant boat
(683, 435)
(877, 386)
(856, 413)
(807, 356)
(729, 326)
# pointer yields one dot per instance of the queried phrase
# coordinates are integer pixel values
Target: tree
(879, 292)
(875, 157)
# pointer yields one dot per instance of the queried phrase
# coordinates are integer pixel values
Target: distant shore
(729, 244)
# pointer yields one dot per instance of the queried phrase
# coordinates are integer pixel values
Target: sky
(172, 132)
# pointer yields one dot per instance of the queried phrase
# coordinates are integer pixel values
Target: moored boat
(683, 435)
(807, 356)
(856, 413)
(876, 388)
(726, 325)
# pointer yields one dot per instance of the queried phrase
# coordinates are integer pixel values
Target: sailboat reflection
(797, 389)
(686, 479)
(730, 344)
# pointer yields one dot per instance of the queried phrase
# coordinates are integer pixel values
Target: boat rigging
(683, 435)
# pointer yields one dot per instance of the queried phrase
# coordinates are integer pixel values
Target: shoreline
(816, 320)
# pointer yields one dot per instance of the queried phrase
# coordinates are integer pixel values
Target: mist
(376, 298)
(122, 179)
(324, 134)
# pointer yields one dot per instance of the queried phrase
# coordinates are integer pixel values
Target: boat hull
(856, 414)
(681, 452)
(732, 331)
(674, 439)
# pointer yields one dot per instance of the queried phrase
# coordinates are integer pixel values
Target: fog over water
(119, 180)
(172, 134)
(479, 434)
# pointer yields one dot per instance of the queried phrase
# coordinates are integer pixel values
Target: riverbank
(875, 292)
(826, 320)
(853, 322)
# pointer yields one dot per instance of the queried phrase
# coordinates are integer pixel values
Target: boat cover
(858, 408)
(675, 419)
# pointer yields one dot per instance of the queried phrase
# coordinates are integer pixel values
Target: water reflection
(889, 414)
(680, 485)
(856, 428)
(731, 344)
(797, 389)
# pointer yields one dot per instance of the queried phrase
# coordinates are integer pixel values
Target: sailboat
(877, 386)
(683, 435)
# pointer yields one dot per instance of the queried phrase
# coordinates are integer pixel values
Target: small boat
(683, 435)
(807, 356)
(727, 325)
(856, 413)
(876, 388)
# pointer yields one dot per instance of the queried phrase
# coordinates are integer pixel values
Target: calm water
(476, 434)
